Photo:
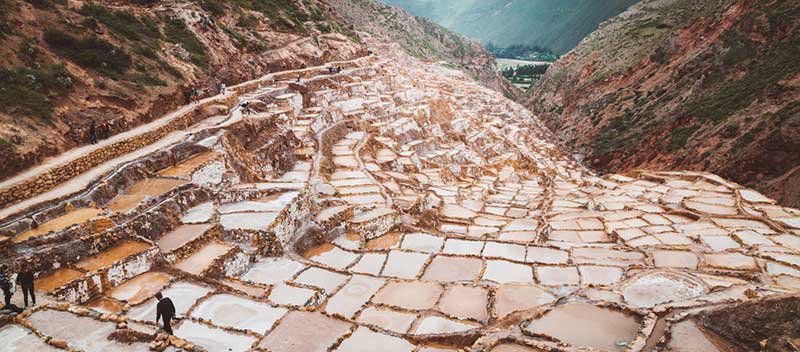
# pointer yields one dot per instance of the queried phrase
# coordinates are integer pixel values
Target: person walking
(93, 132)
(223, 89)
(6, 284)
(165, 309)
(25, 280)
(196, 93)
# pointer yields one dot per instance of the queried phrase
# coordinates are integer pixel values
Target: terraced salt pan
(657, 287)
(440, 325)
(77, 216)
(410, 295)
(81, 333)
(57, 279)
(353, 296)
(465, 302)
(181, 235)
(182, 294)
(273, 270)
(15, 338)
(114, 254)
(502, 272)
(511, 298)
(366, 340)
(585, 325)
(248, 221)
(453, 269)
(330, 255)
(290, 295)
(213, 339)
(185, 168)
(239, 313)
(406, 265)
(199, 213)
(141, 288)
(324, 279)
(387, 319)
(201, 260)
(305, 332)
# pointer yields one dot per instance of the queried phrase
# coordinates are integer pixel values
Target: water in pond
(108, 257)
(585, 325)
(77, 216)
(57, 279)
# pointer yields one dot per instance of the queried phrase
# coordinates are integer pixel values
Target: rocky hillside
(671, 84)
(555, 25)
(422, 38)
(65, 63)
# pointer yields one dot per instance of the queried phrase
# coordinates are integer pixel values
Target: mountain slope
(556, 25)
(712, 85)
(422, 38)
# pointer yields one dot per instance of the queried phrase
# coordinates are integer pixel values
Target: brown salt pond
(185, 168)
(57, 279)
(141, 288)
(105, 305)
(387, 241)
(201, 260)
(302, 331)
(124, 203)
(113, 255)
(154, 186)
(585, 325)
(77, 216)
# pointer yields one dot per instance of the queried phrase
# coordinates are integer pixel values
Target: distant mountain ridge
(556, 25)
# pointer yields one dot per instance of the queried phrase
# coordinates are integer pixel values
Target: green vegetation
(216, 8)
(522, 52)
(177, 32)
(288, 15)
(25, 91)
(614, 135)
(239, 40)
(5, 145)
(524, 75)
(680, 136)
(727, 96)
(122, 23)
(90, 52)
(46, 4)
(247, 21)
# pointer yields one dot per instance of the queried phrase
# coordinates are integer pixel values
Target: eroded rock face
(343, 214)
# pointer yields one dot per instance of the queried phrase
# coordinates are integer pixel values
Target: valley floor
(395, 206)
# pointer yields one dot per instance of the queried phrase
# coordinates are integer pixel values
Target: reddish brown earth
(711, 86)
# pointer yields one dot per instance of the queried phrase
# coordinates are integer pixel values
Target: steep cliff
(66, 63)
(422, 38)
(669, 84)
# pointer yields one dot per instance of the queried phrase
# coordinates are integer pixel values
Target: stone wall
(44, 182)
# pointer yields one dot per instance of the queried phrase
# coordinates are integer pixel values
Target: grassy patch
(6, 146)
(680, 136)
(239, 40)
(177, 32)
(90, 52)
(122, 23)
(247, 21)
(25, 91)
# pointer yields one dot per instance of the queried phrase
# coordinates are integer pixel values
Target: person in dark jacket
(165, 309)
(25, 280)
(5, 285)
(93, 133)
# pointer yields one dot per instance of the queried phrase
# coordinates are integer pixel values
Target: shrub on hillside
(25, 91)
(91, 52)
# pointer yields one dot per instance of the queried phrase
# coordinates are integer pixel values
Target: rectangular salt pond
(239, 313)
(213, 339)
(182, 294)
